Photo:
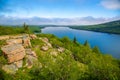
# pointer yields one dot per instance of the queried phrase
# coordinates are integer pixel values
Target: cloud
(55, 21)
(111, 4)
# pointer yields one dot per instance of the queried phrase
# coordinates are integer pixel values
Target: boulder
(30, 60)
(11, 68)
(26, 41)
(17, 36)
(44, 48)
(19, 63)
(30, 52)
(4, 37)
(44, 39)
(60, 49)
(30, 57)
(32, 36)
(21, 39)
(14, 52)
(49, 45)
(14, 41)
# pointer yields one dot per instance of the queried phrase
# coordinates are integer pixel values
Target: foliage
(87, 44)
(26, 28)
(110, 27)
(3, 61)
(62, 67)
(2, 58)
(75, 40)
(77, 62)
(2, 42)
(35, 29)
(95, 60)
(96, 49)
(8, 30)
(5, 76)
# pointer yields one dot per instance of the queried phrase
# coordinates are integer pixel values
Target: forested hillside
(63, 59)
(110, 27)
(7, 30)
(59, 59)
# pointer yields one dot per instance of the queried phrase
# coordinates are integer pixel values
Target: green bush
(77, 62)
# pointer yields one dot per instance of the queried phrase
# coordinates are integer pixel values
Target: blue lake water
(107, 43)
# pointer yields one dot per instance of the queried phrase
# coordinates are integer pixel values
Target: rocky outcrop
(19, 63)
(32, 36)
(18, 39)
(17, 36)
(14, 52)
(14, 41)
(30, 52)
(31, 57)
(4, 37)
(30, 60)
(26, 41)
(19, 53)
(44, 39)
(44, 48)
(55, 52)
(47, 44)
(11, 68)
(61, 49)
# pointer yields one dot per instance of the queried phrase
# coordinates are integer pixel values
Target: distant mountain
(110, 27)
(89, 20)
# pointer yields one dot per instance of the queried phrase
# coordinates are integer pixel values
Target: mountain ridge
(109, 27)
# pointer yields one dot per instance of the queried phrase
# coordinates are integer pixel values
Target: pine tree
(96, 49)
(75, 40)
(87, 44)
(26, 28)
(24, 25)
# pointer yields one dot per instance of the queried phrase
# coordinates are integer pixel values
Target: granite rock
(14, 52)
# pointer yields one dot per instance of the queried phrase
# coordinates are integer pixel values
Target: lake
(107, 43)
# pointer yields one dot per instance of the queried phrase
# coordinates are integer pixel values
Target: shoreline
(96, 31)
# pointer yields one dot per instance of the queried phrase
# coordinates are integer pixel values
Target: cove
(107, 43)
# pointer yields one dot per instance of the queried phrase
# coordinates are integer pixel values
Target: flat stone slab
(11, 68)
(14, 41)
(14, 52)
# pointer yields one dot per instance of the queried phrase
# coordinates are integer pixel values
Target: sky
(59, 11)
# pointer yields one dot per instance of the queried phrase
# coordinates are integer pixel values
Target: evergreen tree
(87, 44)
(75, 40)
(24, 25)
(96, 49)
(26, 28)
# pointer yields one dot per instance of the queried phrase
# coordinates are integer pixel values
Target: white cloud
(55, 21)
(111, 4)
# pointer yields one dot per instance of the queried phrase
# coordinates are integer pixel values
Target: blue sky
(82, 12)
(58, 8)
